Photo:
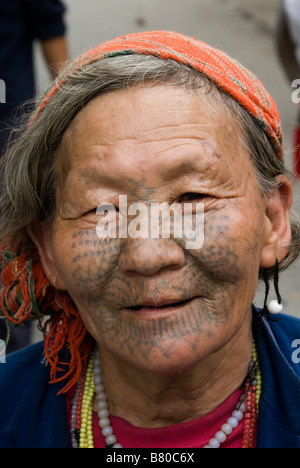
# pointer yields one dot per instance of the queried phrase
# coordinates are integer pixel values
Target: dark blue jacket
(33, 416)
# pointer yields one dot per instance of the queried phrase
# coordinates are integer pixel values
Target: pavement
(244, 29)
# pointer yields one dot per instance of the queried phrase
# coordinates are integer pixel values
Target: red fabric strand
(26, 294)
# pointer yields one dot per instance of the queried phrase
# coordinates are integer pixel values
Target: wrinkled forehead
(151, 131)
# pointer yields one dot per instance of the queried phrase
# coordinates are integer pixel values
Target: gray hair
(28, 168)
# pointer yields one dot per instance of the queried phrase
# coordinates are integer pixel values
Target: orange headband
(227, 73)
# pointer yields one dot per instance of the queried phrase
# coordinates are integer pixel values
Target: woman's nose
(150, 256)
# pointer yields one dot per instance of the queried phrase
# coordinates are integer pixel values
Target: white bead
(221, 437)
(238, 415)
(111, 439)
(99, 389)
(227, 429)
(233, 422)
(101, 395)
(207, 446)
(118, 446)
(102, 404)
(97, 370)
(104, 422)
(243, 408)
(274, 307)
(214, 443)
(106, 431)
(103, 413)
(98, 380)
(97, 363)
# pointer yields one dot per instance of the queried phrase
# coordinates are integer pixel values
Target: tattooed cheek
(93, 260)
(219, 253)
(230, 243)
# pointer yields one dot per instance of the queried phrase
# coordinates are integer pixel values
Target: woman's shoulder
(17, 372)
(280, 369)
(282, 334)
(32, 415)
(21, 364)
(285, 325)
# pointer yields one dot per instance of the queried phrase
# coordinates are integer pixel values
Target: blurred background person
(289, 38)
(289, 51)
(22, 22)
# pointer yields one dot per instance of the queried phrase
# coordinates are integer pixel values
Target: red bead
(250, 416)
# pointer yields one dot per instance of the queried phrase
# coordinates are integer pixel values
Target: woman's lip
(150, 311)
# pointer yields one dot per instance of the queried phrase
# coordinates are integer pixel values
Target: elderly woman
(150, 340)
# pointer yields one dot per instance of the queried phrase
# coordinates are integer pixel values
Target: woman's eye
(92, 212)
(192, 197)
(102, 210)
(107, 209)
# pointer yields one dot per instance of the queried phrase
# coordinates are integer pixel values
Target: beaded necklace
(91, 383)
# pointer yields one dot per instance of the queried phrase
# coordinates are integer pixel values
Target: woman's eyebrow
(194, 164)
(183, 168)
(89, 176)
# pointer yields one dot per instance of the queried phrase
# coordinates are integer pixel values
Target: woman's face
(156, 145)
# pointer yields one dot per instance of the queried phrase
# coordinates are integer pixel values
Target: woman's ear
(40, 235)
(279, 225)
